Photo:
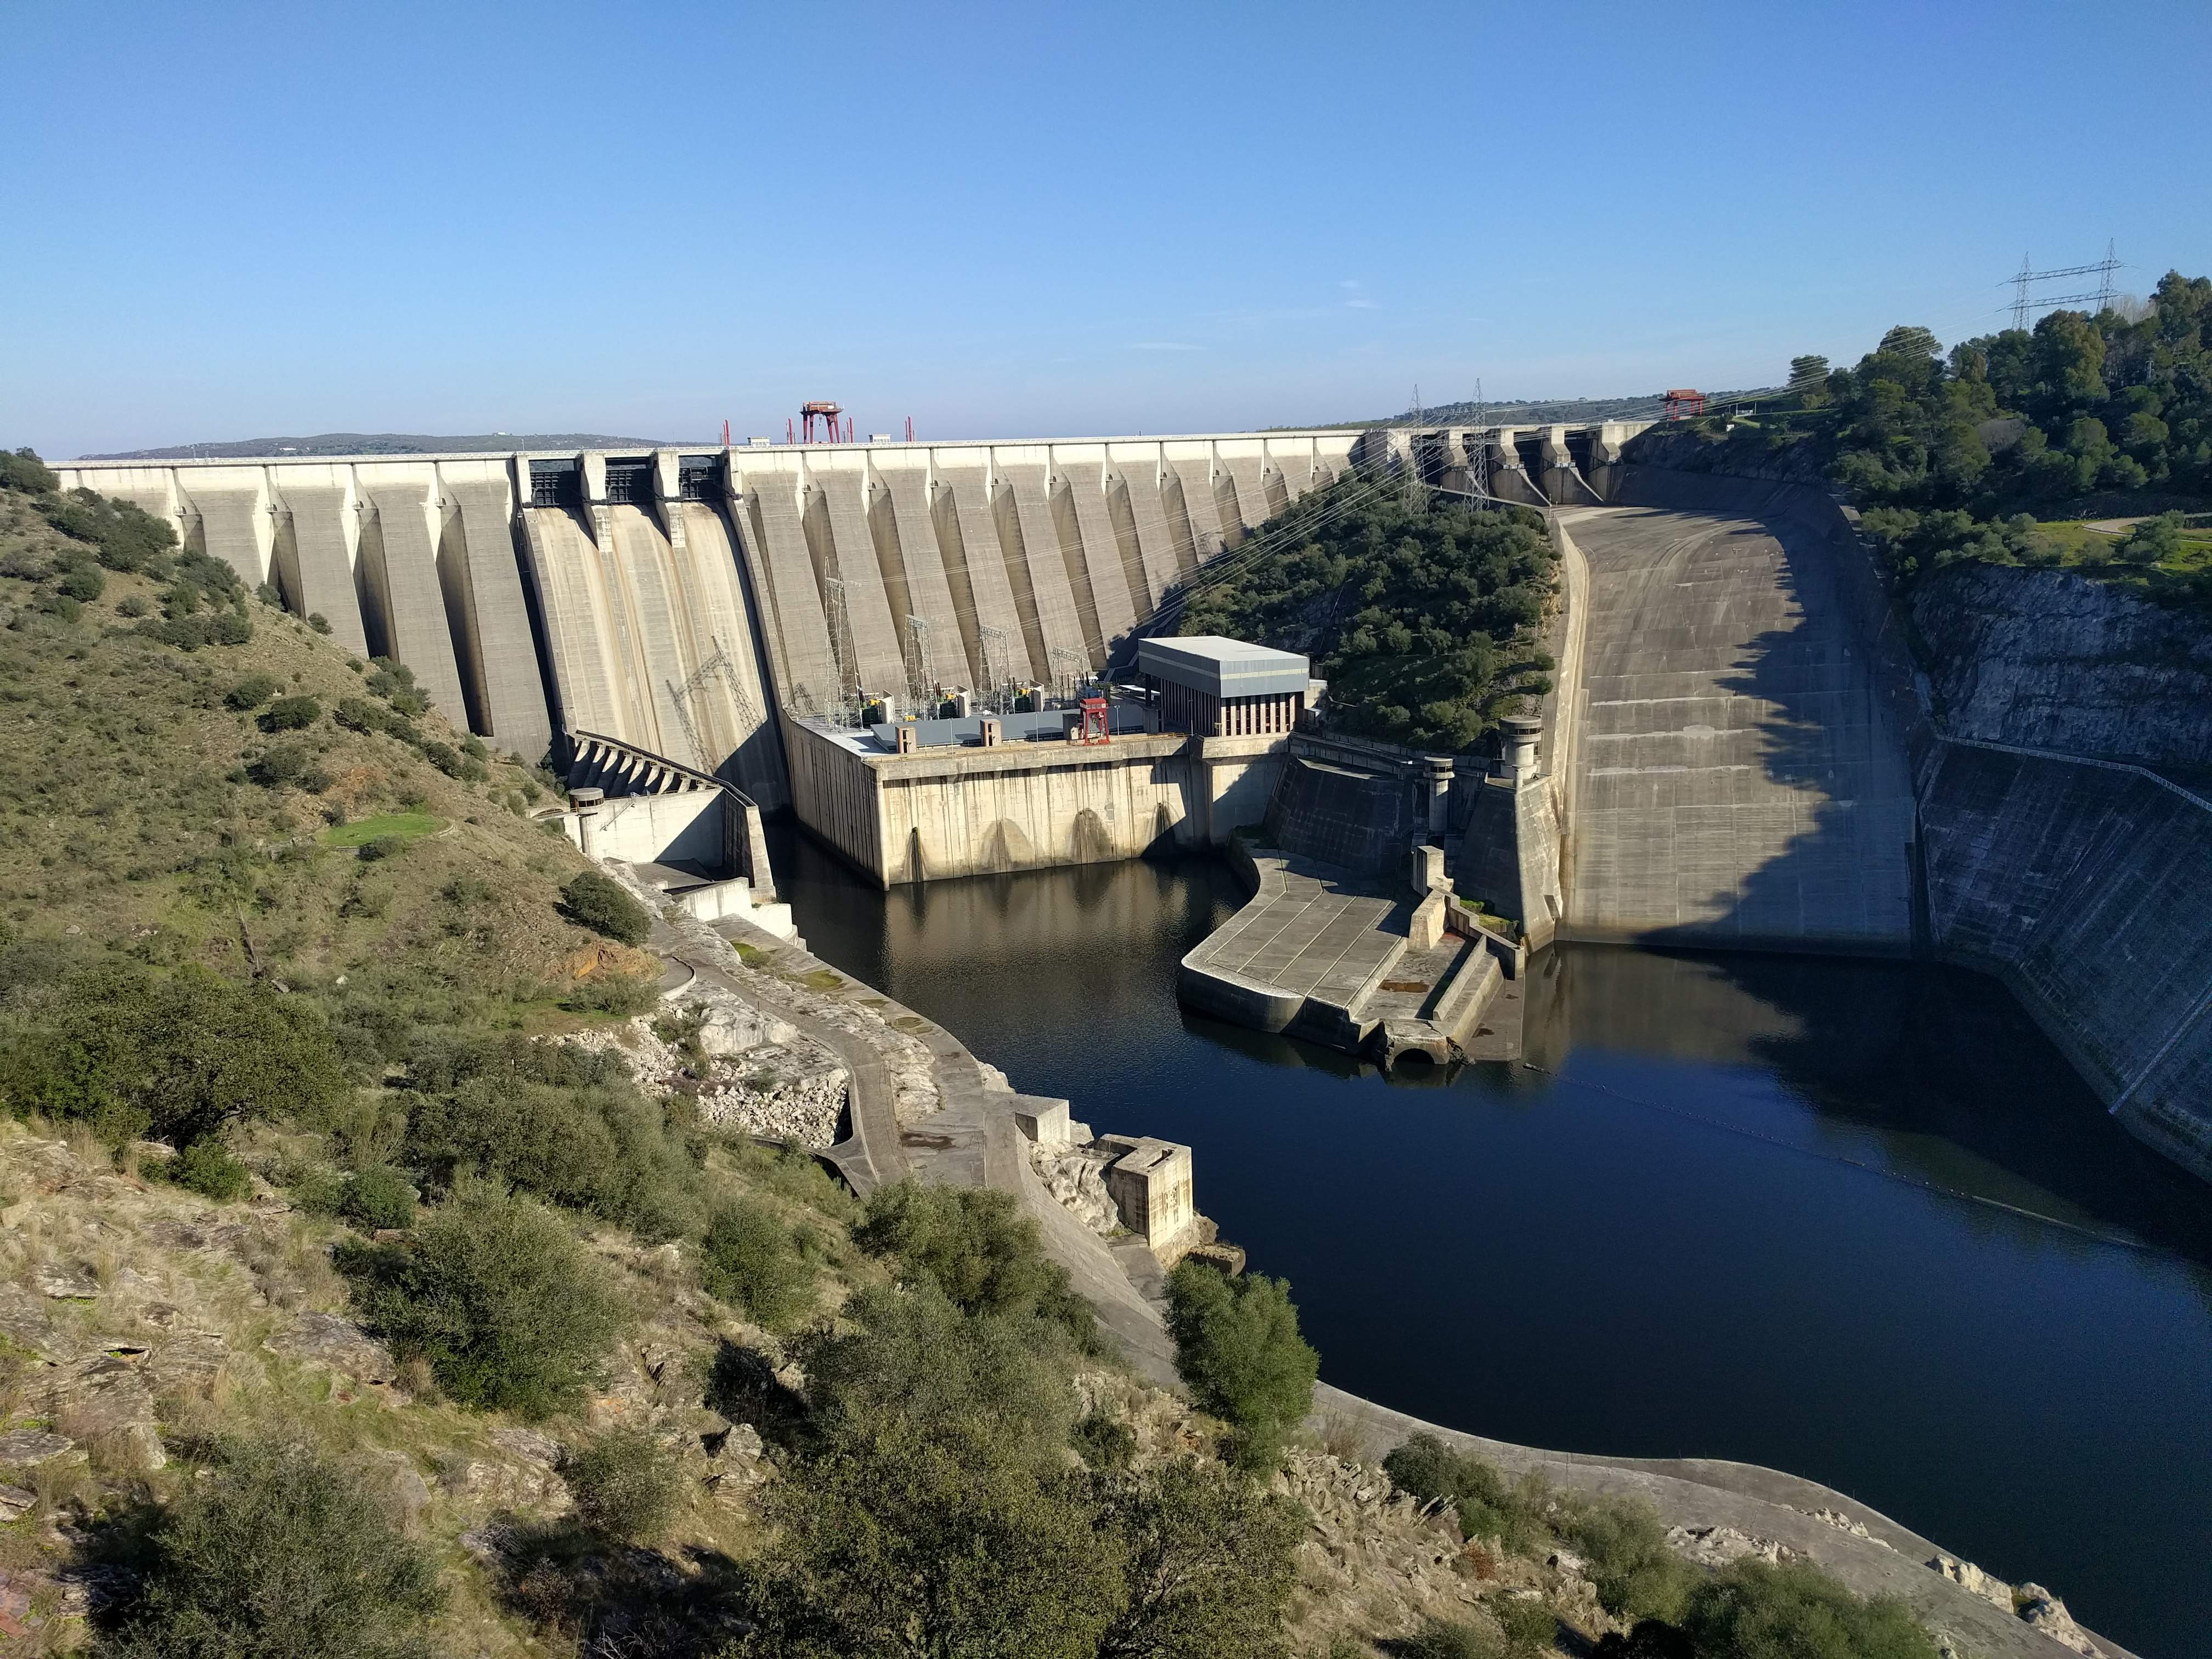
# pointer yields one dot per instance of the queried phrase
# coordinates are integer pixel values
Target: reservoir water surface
(1856, 1220)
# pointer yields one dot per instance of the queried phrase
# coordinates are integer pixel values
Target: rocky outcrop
(2047, 660)
(750, 1073)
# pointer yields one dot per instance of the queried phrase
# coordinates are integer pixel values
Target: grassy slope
(128, 826)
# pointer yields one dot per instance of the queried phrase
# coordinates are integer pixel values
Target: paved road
(1736, 782)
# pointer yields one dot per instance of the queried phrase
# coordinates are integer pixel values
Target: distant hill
(380, 443)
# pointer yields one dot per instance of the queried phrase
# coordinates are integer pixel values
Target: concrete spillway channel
(1738, 779)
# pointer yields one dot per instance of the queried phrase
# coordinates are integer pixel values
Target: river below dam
(1856, 1220)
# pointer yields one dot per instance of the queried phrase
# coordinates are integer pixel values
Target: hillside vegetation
(349, 1310)
(2010, 446)
(1422, 613)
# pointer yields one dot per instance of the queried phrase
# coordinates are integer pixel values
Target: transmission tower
(917, 658)
(996, 673)
(1069, 667)
(1478, 460)
(717, 666)
(841, 650)
(2023, 302)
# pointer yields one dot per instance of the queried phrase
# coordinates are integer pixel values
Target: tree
(749, 1258)
(601, 903)
(182, 1056)
(1808, 380)
(25, 472)
(1238, 1350)
(626, 1484)
(1210, 1564)
(279, 1554)
(510, 1310)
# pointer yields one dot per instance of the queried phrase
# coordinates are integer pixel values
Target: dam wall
(674, 599)
(953, 811)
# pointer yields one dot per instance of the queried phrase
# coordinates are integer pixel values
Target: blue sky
(229, 219)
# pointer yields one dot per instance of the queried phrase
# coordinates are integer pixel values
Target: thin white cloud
(1163, 345)
(1361, 305)
(1349, 283)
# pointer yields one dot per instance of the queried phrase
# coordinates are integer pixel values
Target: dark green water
(1755, 1207)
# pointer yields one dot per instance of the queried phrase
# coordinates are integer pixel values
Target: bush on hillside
(599, 903)
(599, 1147)
(1650, 1638)
(976, 1247)
(1449, 1639)
(1515, 1514)
(251, 692)
(1751, 1610)
(25, 472)
(129, 1052)
(290, 715)
(279, 1550)
(378, 848)
(626, 1484)
(749, 1258)
(205, 1168)
(933, 1509)
(1238, 1350)
(1638, 1575)
(295, 765)
(122, 535)
(377, 1197)
(510, 1310)
(83, 583)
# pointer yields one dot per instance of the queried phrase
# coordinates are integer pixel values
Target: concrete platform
(1318, 953)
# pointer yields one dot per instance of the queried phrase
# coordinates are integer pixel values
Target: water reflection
(1702, 1220)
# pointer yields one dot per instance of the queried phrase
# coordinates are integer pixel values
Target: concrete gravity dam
(1736, 757)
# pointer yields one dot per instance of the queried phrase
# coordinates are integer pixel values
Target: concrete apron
(973, 1141)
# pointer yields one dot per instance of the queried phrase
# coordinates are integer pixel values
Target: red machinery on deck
(1685, 400)
(1094, 727)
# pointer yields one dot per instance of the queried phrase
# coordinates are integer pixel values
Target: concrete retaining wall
(2084, 887)
(950, 812)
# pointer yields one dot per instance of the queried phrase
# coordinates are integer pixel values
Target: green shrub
(1515, 1514)
(205, 1168)
(83, 583)
(62, 605)
(318, 622)
(25, 472)
(290, 765)
(1105, 1441)
(381, 847)
(1751, 1610)
(1625, 1541)
(1238, 1350)
(251, 692)
(625, 1484)
(377, 1197)
(600, 903)
(447, 759)
(127, 1051)
(599, 1146)
(123, 535)
(749, 1258)
(316, 1189)
(131, 606)
(978, 1248)
(510, 1310)
(290, 715)
(1530, 1627)
(279, 1551)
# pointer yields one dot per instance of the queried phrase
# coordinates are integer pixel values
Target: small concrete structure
(1149, 1184)
(1223, 688)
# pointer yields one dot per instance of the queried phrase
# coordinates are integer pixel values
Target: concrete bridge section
(1738, 779)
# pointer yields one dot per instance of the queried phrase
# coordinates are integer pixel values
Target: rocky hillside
(2053, 660)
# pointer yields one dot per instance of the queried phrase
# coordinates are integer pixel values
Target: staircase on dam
(1736, 780)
